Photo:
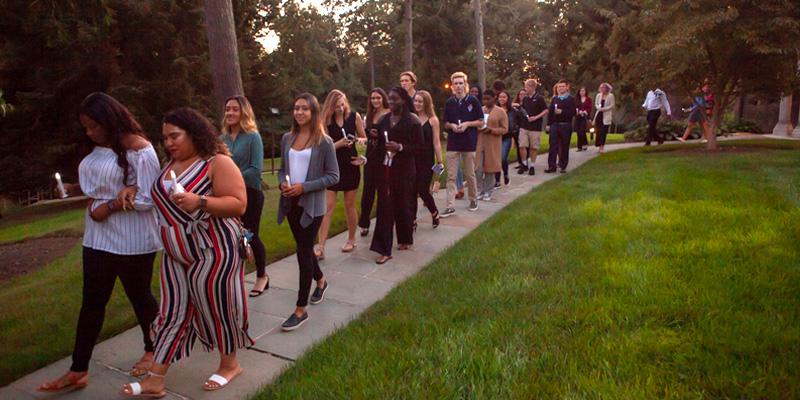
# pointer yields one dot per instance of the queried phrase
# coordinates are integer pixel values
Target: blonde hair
(427, 103)
(317, 130)
(247, 122)
(411, 75)
(459, 74)
(329, 106)
(532, 81)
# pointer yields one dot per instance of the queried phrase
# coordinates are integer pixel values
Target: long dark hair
(506, 107)
(406, 98)
(116, 120)
(384, 102)
(317, 130)
(205, 137)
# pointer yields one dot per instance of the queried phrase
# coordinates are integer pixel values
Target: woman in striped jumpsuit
(202, 273)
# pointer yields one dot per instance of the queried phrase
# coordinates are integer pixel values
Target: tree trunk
(409, 56)
(371, 68)
(223, 50)
(479, 49)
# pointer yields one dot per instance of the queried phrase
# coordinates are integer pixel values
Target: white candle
(61, 186)
(176, 186)
(288, 180)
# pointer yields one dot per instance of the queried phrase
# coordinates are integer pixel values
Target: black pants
(600, 139)
(395, 200)
(368, 193)
(100, 272)
(252, 221)
(306, 260)
(652, 122)
(424, 175)
(560, 135)
(580, 128)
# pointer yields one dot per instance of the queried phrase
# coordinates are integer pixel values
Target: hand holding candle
(62, 192)
(176, 186)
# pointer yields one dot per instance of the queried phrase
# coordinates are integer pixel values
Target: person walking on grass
(656, 100)
(697, 116)
(563, 108)
(120, 238)
(377, 107)
(490, 144)
(530, 132)
(200, 196)
(604, 103)
(344, 127)
(582, 118)
(308, 166)
(463, 115)
(240, 134)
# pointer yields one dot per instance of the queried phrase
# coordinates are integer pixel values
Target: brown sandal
(64, 383)
(348, 247)
(383, 259)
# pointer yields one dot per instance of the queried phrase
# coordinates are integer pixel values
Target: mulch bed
(29, 255)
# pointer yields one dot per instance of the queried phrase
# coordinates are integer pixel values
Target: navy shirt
(568, 107)
(467, 109)
(533, 106)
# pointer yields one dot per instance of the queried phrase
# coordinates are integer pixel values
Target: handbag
(245, 249)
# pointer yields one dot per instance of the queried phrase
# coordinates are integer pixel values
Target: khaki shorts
(530, 139)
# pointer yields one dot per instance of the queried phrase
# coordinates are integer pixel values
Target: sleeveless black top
(349, 174)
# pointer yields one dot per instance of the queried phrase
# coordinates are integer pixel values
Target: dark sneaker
(563, 170)
(294, 322)
(549, 170)
(522, 170)
(447, 212)
(319, 294)
(531, 171)
(473, 205)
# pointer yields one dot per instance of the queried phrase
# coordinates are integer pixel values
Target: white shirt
(298, 165)
(124, 232)
(655, 100)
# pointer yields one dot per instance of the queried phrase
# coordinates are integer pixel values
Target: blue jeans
(506, 150)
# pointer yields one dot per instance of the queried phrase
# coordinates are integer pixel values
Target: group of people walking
(203, 207)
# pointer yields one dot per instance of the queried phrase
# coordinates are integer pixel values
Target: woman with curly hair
(200, 196)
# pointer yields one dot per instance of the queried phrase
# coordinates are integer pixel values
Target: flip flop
(219, 380)
(136, 391)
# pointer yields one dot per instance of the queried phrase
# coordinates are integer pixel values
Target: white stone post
(784, 125)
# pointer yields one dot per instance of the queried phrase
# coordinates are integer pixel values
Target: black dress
(423, 160)
(349, 174)
(372, 172)
(396, 192)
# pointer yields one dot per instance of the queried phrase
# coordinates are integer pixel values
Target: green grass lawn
(647, 273)
(39, 311)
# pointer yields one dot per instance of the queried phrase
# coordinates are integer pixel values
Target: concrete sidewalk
(356, 282)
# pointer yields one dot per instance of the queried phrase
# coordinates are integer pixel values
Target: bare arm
(230, 196)
(437, 142)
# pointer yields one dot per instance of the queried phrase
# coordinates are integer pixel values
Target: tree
(736, 47)
(480, 52)
(409, 24)
(223, 49)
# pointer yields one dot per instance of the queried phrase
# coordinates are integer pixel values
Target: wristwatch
(203, 202)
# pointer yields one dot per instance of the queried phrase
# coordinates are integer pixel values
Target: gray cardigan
(323, 171)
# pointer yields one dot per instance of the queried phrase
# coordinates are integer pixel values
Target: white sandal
(220, 380)
(136, 389)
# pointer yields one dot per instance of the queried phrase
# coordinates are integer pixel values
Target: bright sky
(271, 40)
